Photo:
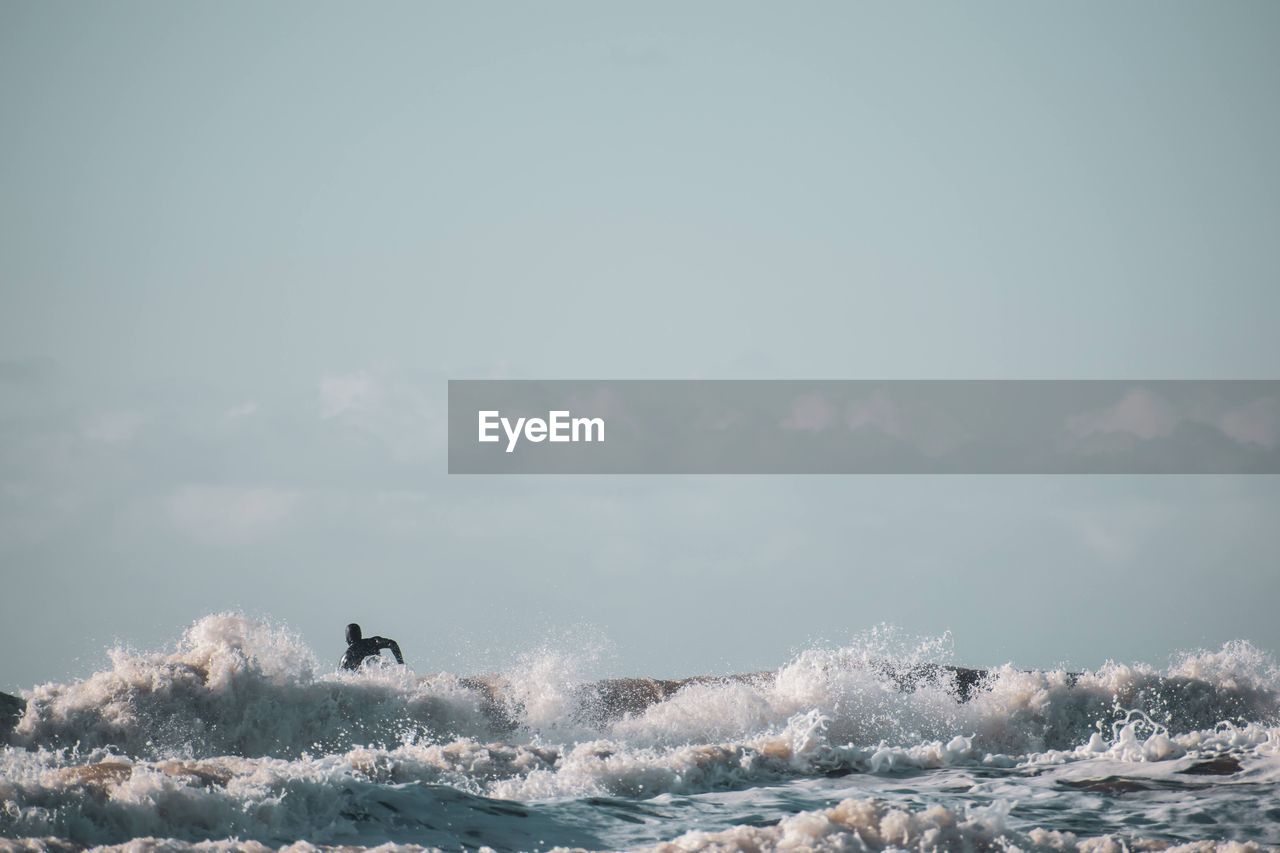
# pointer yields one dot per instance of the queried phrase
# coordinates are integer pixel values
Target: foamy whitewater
(240, 739)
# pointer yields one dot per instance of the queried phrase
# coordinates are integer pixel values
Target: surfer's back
(361, 648)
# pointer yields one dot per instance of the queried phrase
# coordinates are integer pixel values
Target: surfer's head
(353, 632)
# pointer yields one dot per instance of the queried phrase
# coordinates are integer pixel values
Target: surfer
(359, 648)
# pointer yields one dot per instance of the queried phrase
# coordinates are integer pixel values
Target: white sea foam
(242, 687)
(867, 825)
(236, 686)
(238, 732)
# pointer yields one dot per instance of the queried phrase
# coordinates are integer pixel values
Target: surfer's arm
(384, 643)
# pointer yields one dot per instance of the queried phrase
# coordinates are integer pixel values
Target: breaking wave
(862, 824)
(240, 733)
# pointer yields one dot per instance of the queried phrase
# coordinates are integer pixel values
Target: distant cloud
(390, 407)
(228, 515)
(240, 411)
(876, 412)
(112, 427)
(809, 413)
(1256, 422)
(1145, 415)
(1139, 413)
(1119, 533)
(345, 392)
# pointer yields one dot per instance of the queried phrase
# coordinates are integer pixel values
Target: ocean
(238, 737)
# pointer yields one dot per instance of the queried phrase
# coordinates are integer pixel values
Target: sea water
(240, 738)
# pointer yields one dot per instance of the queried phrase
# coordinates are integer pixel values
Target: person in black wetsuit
(360, 649)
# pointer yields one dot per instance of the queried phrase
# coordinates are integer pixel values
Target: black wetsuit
(359, 649)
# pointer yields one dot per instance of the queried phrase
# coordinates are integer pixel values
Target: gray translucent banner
(863, 427)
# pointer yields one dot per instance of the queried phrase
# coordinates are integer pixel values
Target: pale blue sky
(242, 246)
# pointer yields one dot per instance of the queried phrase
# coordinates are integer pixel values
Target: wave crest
(236, 686)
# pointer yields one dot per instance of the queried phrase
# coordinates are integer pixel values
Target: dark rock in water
(1222, 765)
(11, 708)
(616, 697)
(960, 680)
(602, 702)
(1107, 785)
